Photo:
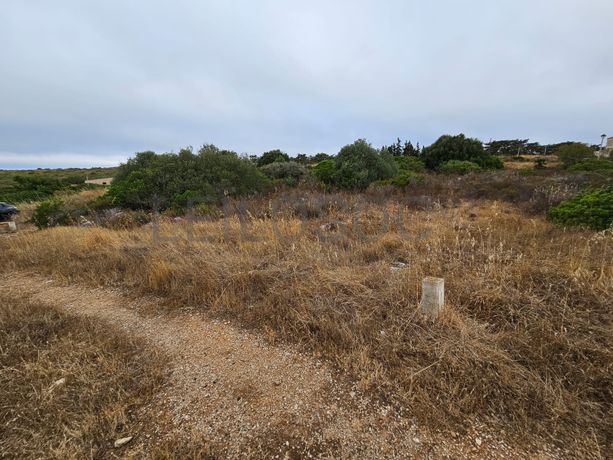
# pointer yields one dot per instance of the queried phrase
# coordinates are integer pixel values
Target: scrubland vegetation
(329, 254)
(37, 184)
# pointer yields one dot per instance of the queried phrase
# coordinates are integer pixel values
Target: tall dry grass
(525, 344)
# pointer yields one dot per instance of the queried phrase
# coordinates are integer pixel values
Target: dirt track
(249, 398)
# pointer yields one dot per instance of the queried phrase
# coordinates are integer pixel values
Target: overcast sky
(86, 83)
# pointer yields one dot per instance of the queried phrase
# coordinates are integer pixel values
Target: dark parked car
(7, 211)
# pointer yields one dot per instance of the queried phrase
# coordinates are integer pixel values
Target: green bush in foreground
(458, 167)
(592, 208)
(50, 213)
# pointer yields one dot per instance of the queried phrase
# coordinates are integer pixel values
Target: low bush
(458, 167)
(50, 213)
(573, 153)
(593, 164)
(65, 209)
(289, 173)
(491, 162)
(592, 208)
(31, 188)
(22, 196)
(402, 179)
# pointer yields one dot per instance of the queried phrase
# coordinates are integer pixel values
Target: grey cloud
(104, 79)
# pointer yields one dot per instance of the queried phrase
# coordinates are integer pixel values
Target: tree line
(207, 175)
(170, 180)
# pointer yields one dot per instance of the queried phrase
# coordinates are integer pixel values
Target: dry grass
(525, 345)
(107, 378)
(527, 161)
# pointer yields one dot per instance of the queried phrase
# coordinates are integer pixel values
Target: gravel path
(249, 398)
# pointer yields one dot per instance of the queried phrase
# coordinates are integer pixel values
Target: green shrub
(357, 165)
(22, 196)
(490, 162)
(592, 208)
(50, 213)
(190, 198)
(593, 164)
(150, 180)
(273, 156)
(289, 173)
(101, 202)
(409, 163)
(459, 148)
(572, 153)
(402, 179)
(458, 167)
(325, 172)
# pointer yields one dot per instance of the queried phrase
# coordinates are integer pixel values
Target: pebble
(123, 441)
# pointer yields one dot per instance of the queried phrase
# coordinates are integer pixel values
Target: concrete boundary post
(432, 296)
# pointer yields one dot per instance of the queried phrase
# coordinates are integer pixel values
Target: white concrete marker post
(12, 226)
(432, 296)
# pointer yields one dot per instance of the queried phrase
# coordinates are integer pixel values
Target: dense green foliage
(593, 164)
(50, 213)
(289, 172)
(37, 187)
(459, 148)
(573, 153)
(516, 147)
(592, 208)
(357, 165)
(273, 156)
(161, 181)
(402, 179)
(325, 171)
(458, 167)
(409, 163)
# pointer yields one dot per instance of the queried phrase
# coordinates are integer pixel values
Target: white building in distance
(606, 151)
